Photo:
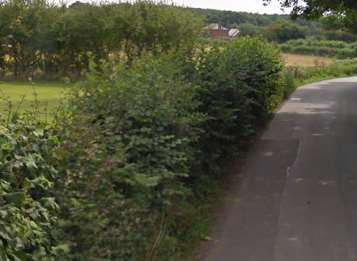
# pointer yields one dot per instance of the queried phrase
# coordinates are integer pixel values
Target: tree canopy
(318, 7)
(343, 12)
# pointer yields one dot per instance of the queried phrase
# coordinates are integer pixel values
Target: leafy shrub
(340, 36)
(240, 86)
(289, 81)
(28, 211)
(128, 150)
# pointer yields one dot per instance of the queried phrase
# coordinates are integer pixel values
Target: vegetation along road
(298, 200)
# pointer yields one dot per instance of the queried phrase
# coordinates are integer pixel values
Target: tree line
(39, 39)
(279, 28)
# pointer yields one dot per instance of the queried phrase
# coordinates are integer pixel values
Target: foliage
(318, 7)
(247, 29)
(340, 35)
(119, 177)
(28, 209)
(339, 69)
(313, 46)
(141, 137)
(232, 19)
(43, 40)
(126, 154)
(240, 87)
(282, 31)
(328, 27)
(344, 12)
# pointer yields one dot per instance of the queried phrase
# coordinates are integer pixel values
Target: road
(298, 198)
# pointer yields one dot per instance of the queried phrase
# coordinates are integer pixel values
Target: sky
(252, 6)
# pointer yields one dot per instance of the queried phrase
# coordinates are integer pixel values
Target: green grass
(24, 96)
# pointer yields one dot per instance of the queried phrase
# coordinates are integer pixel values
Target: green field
(21, 96)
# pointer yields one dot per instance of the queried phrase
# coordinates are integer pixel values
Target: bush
(240, 86)
(131, 149)
(140, 137)
(283, 31)
(126, 155)
(28, 212)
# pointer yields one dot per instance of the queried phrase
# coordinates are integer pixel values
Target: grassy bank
(305, 75)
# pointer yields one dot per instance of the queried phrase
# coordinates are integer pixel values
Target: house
(220, 32)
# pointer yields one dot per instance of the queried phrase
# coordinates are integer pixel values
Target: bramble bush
(28, 209)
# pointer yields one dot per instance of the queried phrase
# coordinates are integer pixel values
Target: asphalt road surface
(298, 198)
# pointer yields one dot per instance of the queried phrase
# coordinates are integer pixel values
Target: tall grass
(297, 76)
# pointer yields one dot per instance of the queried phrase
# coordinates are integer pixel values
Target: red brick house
(220, 32)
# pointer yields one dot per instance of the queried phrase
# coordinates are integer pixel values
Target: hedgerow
(124, 165)
(311, 46)
(126, 156)
(240, 86)
(140, 136)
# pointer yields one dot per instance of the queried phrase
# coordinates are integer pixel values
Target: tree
(250, 29)
(345, 11)
(318, 7)
(283, 31)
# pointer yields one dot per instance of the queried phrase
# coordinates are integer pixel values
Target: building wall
(218, 33)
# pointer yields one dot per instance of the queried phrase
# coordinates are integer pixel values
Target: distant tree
(248, 29)
(318, 7)
(42, 39)
(283, 31)
(345, 10)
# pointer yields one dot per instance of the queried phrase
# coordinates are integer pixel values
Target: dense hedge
(124, 163)
(240, 86)
(338, 49)
(140, 137)
(126, 155)
(116, 177)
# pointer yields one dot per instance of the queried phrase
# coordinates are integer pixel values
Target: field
(24, 96)
(298, 60)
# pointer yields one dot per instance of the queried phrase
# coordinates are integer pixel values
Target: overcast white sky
(254, 6)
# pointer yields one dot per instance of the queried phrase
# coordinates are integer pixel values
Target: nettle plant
(27, 208)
